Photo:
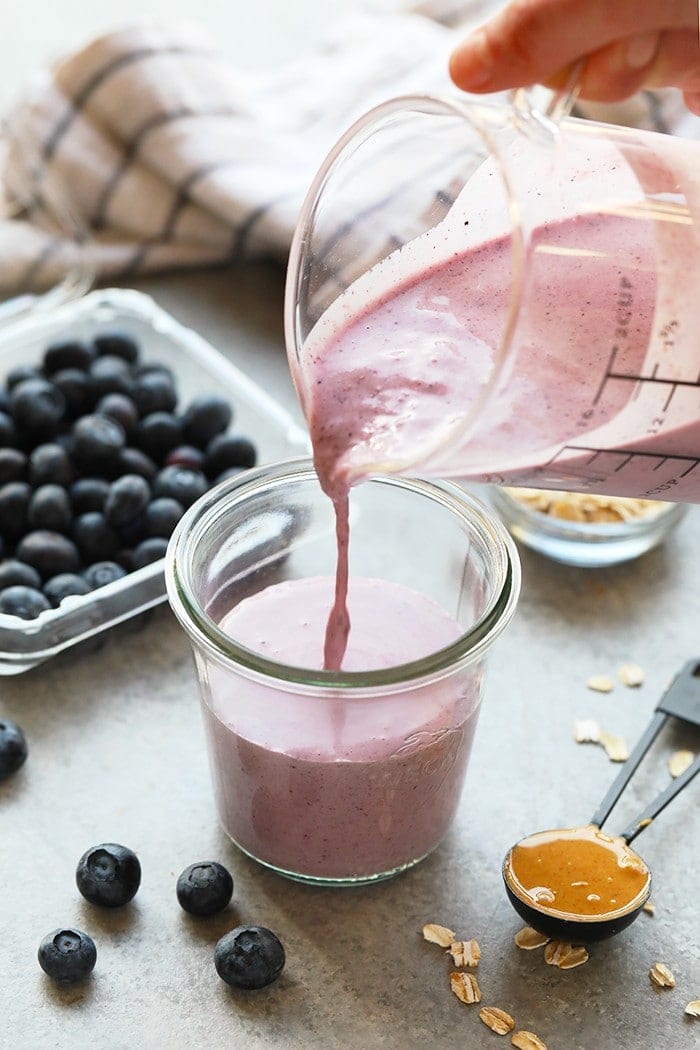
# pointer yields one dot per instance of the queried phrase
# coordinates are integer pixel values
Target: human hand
(626, 45)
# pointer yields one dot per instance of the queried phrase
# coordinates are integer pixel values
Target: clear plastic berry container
(564, 533)
(199, 369)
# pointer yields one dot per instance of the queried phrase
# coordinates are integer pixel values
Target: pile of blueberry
(97, 464)
(109, 875)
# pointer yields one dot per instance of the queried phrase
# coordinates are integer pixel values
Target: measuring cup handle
(545, 120)
(627, 772)
(661, 801)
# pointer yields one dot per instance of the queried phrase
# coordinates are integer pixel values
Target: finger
(616, 72)
(692, 101)
(530, 41)
(677, 61)
(658, 60)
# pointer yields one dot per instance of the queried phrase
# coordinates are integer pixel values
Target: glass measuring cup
(475, 293)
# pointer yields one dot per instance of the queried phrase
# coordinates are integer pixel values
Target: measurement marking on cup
(629, 455)
(653, 378)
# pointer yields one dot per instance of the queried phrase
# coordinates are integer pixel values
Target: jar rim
(468, 648)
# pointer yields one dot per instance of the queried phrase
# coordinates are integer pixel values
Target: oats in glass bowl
(585, 529)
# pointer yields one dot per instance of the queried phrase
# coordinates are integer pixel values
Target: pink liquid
(339, 786)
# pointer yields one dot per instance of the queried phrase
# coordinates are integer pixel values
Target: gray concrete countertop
(117, 754)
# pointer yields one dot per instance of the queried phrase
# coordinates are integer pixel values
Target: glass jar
(349, 776)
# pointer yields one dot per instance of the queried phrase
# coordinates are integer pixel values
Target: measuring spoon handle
(627, 772)
(661, 801)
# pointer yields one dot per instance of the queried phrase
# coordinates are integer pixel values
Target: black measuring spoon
(537, 905)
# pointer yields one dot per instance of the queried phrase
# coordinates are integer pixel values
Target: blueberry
(100, 573)
(206, 417)
(50, 464)
(68, 353)
(132, 532)
(88, 494)
(21, 373)
(204, 888)
(134, 461)
(186, 456)
(108, 874)
(125, 558)
(149, 551)
(249, 957)
(117, 344)
(48, 552)
(50, 508)
(67, 956)
(158, 433)
(149, 367)
(37, 406)
(127, 498)
(154, 392)
(15, 573)
(229, 450)
(121, 408)
(95, 537)
(181, 484)
(63, 585)
(14, 503)
(13, 748)
(110, 375)
(232, 472)
(98, 441)
(78, 390)
(162, 515)
(13, 465)
(24, 602)
(8, 431)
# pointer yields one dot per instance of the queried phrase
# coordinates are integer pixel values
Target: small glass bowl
(587, 544)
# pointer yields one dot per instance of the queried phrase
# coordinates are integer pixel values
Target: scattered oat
(662, 976)
(525, 1040)
(564, 955)
(693, 1008)
(600, 683)
(497, 1020)
(615, 746)
(679, 762)
(438, 934)
(586, 731)
(465, 986)
(465, 953)
(649, 908)
(631, 675)
(527, 938)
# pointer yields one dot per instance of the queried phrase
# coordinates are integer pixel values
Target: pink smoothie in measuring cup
(336, 785)
(599, 389)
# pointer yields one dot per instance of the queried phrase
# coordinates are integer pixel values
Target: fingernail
(641, 50)
(472, 61)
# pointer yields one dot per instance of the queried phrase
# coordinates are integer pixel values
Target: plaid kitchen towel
(146, 151)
